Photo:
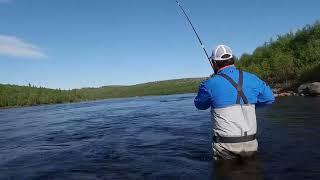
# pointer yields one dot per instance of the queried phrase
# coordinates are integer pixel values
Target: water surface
(160, 137)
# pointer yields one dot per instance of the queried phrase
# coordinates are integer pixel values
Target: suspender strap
(238, 87)
(243, 96)
(218, 139)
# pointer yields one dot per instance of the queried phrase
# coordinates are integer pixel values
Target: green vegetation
(291, 59)
(12, 95)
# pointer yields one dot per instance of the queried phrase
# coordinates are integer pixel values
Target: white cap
(220, 51)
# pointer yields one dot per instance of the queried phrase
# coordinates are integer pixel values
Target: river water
(160, 137)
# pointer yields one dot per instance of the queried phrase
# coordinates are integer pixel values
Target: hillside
(13, 95)
(291, 59)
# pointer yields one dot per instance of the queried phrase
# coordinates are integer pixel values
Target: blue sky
(90, 43)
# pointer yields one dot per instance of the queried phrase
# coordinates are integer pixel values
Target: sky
(91, 43)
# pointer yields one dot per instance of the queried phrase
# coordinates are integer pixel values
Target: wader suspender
(237, 86)
(245, 138)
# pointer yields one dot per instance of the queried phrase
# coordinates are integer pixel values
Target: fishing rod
(194, 30)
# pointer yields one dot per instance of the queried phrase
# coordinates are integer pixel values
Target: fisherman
(232, 95)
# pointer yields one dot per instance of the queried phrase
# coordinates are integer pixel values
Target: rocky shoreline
(307, 89)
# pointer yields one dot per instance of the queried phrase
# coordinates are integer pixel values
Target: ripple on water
(159, 137)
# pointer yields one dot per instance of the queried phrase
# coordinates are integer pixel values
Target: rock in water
(312, 89)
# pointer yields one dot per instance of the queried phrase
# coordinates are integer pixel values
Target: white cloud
(13, 46)
(4, 1)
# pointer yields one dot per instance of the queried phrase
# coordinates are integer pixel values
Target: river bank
(306, 89)
(12, 96)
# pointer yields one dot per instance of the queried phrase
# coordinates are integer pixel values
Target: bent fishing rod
(194, 30)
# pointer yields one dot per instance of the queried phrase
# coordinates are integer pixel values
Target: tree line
(13, 95)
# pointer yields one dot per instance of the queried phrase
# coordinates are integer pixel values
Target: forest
(289, 60)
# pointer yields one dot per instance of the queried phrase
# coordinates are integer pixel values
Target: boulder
(312, 89)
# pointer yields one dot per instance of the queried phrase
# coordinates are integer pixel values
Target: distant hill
(176, 86)
(13, 95)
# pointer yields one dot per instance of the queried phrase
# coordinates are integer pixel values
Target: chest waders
(240, 95)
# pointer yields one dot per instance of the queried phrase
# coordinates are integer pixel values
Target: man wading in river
(232, 95)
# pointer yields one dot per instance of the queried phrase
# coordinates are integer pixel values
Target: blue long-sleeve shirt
(217, 92)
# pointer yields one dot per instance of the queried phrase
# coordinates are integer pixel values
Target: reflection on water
(160, 137)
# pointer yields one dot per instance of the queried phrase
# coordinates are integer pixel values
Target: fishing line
(194, 30)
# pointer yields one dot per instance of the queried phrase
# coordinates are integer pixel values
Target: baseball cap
(220, 52)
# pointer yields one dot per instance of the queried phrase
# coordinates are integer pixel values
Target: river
(157, 137)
